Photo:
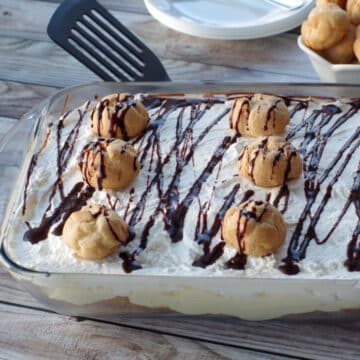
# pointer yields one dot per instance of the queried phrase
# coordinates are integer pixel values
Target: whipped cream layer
(188, 179)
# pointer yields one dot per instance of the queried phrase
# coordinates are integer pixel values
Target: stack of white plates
(227, 19)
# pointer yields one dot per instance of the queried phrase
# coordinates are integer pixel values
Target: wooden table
(31, 68)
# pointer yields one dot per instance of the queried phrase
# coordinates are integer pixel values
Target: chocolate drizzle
(262, 146)
(174, 223)
(271, 112)
(245, 106)
(169, 205)
(312, 147)
(103, 211)
(204, 235)
(76, 198)
(353, 249)
(64, 153)
(130, 263)
(89, 154)
(31, 167)
(112, 204)
(237, 262)
(33, 162)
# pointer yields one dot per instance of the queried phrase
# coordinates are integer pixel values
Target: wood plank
(34, 335)
(17, 98)
(133, 6)
(5, 125)
(25, 60)
(274, 55)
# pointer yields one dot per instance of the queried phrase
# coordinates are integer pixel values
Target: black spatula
(90, 33)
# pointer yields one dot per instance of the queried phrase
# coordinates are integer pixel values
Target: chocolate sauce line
(339, 155)
(68, 147)
(310, 233)
(76, 198)
(262, 146)
(33, 163)
(131, 198)
(353, 249)
(178, 216)
(171, 203)
(207, 234)
(117, 117)
(130, 263)
(153, 138)
(269, 113)
(201, 227)
(300, 105)
(238, 262)
(60, 184)
(303, 123)
(113, 232)
(313, 129)
(153, 143)
(241, 226)
(210, 257)
(98, 150)
(284, 193)
(31, 167)
(64, 153)
(246, 104)
(112, 205)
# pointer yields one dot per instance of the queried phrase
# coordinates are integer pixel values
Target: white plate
(227, 19)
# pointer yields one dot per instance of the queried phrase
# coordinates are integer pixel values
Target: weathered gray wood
(5, 125)
(274, 56)
(31, 334)
(135, 6)
(16, 98)
(24, 60)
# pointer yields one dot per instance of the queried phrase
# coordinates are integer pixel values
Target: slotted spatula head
(85, 29)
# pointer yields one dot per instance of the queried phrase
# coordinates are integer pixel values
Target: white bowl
(328, 72)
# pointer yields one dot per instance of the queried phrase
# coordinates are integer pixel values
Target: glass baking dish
(98, 295)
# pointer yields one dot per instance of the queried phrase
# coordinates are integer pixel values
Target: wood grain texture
(5, 125)
(40, 334)
(25, 60)
(133, 6)
(276, 58)
(17, 98)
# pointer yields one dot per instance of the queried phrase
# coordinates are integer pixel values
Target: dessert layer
(188, 180)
